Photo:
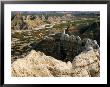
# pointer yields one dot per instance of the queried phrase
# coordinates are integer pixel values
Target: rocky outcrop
(60, 46)
(64, 47)
(18, 23)
(87, 64)
(37, 64)
(30, 17)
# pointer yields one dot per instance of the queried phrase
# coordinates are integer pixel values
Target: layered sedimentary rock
(18, 23)
(37, 64)
(61, 56)
(86, 64)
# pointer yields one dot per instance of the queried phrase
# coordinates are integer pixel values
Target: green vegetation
(28, 31)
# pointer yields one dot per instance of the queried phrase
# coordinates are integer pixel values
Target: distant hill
(76, 13)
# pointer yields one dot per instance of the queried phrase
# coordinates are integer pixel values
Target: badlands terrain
(55, 44)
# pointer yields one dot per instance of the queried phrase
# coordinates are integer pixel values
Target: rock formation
(64, 47)
(39, 51)
(18, 23)
(86, 64)
(37, 64)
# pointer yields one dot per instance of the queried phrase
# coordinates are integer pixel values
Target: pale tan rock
(80, 72)
(38, 64)
(86, 64)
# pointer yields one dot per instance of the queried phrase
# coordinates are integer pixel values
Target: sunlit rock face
(37, 64)
(18, 23)
(86, 64)
(60, 56)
